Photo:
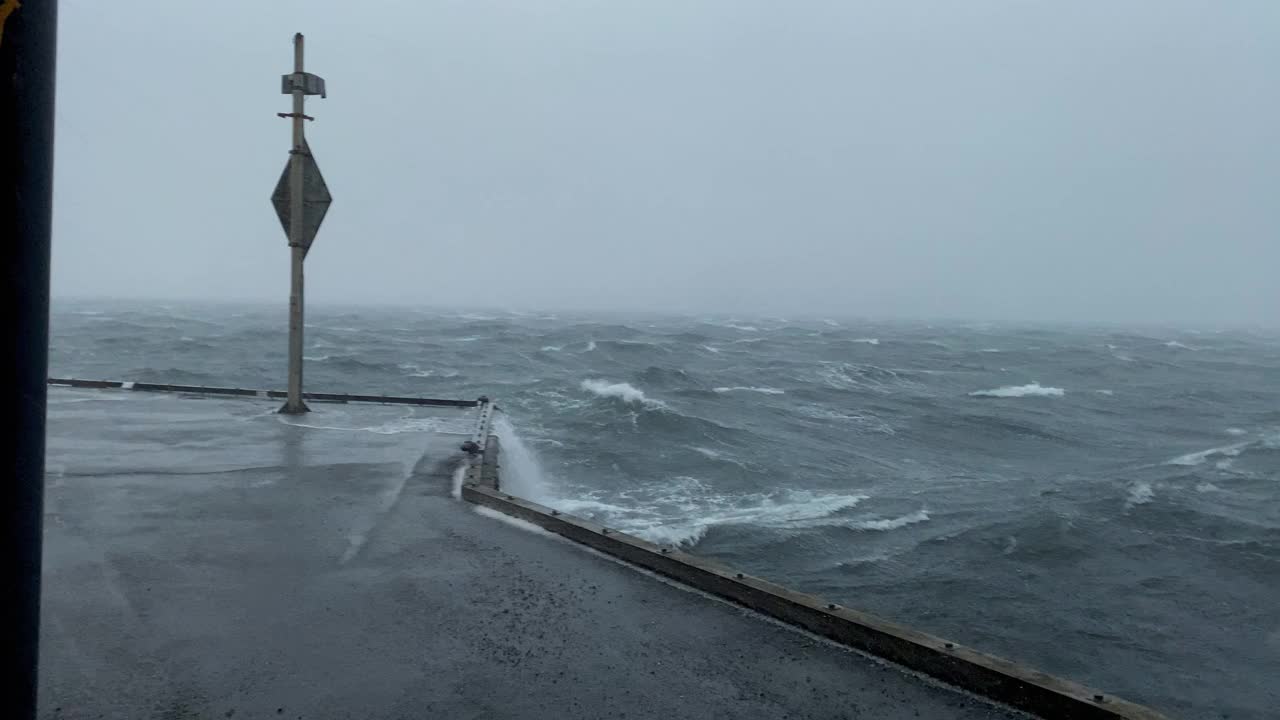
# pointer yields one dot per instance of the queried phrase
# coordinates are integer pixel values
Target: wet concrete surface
(207, 558)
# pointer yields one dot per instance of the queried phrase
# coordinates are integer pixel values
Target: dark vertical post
(28, 35)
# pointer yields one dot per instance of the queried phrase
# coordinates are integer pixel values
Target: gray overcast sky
(1103, 160)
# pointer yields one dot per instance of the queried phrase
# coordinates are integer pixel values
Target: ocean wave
(1179, 346)
(791, 510)
(868, 421)
(414, 370)
(868, 341)
(625, 392)
(1140, 493)
(1034, 389)
(552, 348)
(350, 363)
(633, 346)
(664, 376)
(1198, 458)
(743, 388)
(594, 509)
(710, 349)
(851, 376)
(918, 516)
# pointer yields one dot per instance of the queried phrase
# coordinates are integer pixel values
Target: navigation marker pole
(301, 200)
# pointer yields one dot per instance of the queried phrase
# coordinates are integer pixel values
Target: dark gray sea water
(1099, 503)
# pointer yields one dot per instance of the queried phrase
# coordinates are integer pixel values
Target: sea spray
(522, 474)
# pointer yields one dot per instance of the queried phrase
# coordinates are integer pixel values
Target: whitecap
(1140, 493)
(791, 511)
(918, 516)
(552, 348)
(710, 349)
(1236, 431)
(413, 370)
(743, 388)
(1011, 544)
(868, 341)
(589, 506)
(1034, 389)
(1198, 458)
(686, 512)
(623, 391)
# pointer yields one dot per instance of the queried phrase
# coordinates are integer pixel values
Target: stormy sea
(1098, 502)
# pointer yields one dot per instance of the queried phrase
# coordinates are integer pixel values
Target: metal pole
(294, 404)
(28, 36)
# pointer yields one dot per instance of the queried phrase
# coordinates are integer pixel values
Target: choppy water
(1100, 503)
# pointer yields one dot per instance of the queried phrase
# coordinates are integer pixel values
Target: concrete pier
(208, 557)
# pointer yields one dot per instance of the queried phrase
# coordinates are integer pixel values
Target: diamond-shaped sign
(315, 198)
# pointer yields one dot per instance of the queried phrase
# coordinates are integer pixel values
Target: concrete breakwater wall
(993, 677)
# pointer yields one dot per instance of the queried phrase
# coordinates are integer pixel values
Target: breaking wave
(1225, 451)
(918, 516)
(743, 388)
(1140, 493)
(521, 471)
(792, 510)
(625, 392)
(1034, 389)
